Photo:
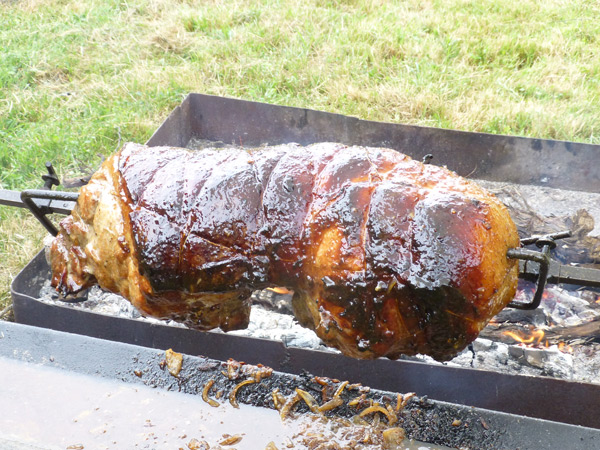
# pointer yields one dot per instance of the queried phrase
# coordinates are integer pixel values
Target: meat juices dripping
(385, 255)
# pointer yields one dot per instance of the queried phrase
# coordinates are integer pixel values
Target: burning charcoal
(536, 317)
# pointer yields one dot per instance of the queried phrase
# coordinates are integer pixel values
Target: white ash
(280, 327)
(565, 309)
(559, 307)
(263, 323)
(517, 359)
(99, 301)
(579, 363)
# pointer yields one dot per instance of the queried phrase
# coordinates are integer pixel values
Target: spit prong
(541, 269)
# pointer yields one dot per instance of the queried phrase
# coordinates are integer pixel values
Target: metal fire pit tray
(556, 164)
(483, 156)
(425, 420)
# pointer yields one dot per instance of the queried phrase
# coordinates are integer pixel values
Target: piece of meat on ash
(385, 255)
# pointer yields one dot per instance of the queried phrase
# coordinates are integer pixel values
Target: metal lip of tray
(477, 155)
(427, 418)
(539, 397)
(520, 160)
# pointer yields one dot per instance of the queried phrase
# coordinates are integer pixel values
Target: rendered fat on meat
(385, 255)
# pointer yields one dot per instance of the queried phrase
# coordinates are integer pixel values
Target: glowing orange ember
(280, 290)
(535, 337)
(565, 348)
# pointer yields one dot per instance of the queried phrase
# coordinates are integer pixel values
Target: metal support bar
(543, 260)
(559, 273)
(13, 198)
(42, 201)
(584, 276)
(40, 210)
(545, 237)
(539, 268)
(545, 243)
(51, 178)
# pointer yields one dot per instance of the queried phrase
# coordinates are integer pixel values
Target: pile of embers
(559, 339)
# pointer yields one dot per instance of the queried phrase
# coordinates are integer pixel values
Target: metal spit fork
(535, 266)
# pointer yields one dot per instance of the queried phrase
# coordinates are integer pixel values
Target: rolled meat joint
(385, 255)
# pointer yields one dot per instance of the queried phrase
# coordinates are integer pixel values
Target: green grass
(76, 77)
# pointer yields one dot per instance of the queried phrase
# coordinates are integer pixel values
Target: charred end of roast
(386, 256)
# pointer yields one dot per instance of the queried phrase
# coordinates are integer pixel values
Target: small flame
(535, 337)
(564, 347)
(280, 290)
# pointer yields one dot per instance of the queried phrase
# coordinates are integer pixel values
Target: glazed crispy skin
(385, 255)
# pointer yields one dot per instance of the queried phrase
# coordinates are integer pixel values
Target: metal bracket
(51, 178)
(42, 201)
(546, 243)
(540, 269)
(41, 209)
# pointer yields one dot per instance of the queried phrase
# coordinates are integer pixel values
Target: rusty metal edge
(539, 397)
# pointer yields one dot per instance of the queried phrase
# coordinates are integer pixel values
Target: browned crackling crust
(386, 256)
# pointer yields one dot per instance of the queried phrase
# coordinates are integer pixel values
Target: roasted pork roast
(385, 255)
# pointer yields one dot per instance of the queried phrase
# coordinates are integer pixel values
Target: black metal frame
(44, 201)
(545, 243)
(476, 155)
(546, 270)
(40, 211)
(423, 419)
